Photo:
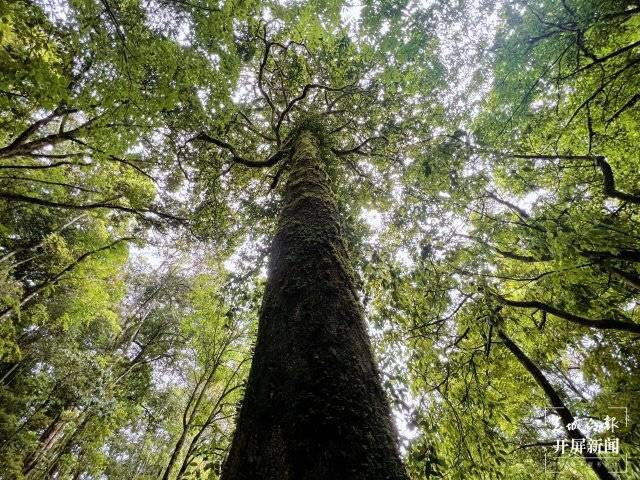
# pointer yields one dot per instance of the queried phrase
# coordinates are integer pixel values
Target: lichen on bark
(314, 407)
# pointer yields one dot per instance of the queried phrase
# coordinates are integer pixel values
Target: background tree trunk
(47, 441)
(314, 407)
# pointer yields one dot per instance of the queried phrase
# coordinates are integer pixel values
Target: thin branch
(48, 182)
(358, 148)
(603, 324)
(305, 91)
(114, 158)
(521, 213)
(508, 254)
(43, 167)
(16, 197)
(607, 173)
(56, 278)
(237, 158)
(600, 60)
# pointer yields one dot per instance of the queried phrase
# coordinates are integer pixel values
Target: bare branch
(237, 158)
(358, 148)
(602, 324)
(16, 197)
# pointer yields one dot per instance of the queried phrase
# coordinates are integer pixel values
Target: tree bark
(566, 417)
(46, 442)
(314, 407)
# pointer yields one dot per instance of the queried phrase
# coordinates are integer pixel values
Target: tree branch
(603, 324)
(16, 197)
(610, 185)
(566, 417)
(56, 278)
(358, 148)
(237, 158)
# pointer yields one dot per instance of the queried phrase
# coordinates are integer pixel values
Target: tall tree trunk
(314, 408)
(71, 440)
(46, 442)
(566, 417)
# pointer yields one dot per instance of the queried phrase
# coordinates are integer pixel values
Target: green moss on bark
(314, 407)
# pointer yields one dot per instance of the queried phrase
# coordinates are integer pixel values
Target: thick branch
(558, 405)
(630, 278)
(610, 185)
(622, 255)
(27, 148)
(31, 129)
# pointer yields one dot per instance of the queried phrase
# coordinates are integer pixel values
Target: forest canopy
(472, 185)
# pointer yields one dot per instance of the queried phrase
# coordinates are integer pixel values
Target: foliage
(487, 179)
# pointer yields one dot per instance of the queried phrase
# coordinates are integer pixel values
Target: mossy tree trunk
(314, 407)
